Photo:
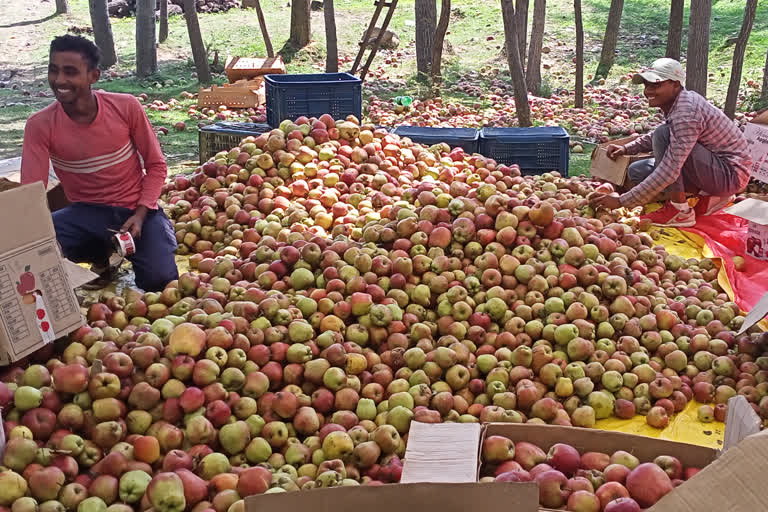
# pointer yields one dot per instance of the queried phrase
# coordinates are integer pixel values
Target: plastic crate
(246, 68)
(242, 94)
(464, 138)
(536, 150)
(225, 136)
(293, 96)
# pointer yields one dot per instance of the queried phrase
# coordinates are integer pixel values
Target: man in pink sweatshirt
(109, 163)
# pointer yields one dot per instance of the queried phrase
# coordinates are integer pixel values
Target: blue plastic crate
(464, 138)
(536, 150)
(293, 96)
(225, 136)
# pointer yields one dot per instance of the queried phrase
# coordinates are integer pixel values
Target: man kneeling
(99, 144)
(698, 151)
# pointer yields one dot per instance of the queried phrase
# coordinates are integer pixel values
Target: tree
(146, 46)
(533, 69)
(300, 23)
(738, 58)
(102, 32)
(608, 53)
(764, 89)
(437, 44)
(521, 21)
(62, 6)
(515, 63)
(579, 100)
(196, 42)
(698, 46)
(332, 50)
(163, 21)
(426, 24)
(675, 31)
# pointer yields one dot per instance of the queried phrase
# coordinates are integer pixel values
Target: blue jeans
(82, 230)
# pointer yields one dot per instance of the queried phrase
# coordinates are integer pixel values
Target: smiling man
(109, 163)
(698, 151)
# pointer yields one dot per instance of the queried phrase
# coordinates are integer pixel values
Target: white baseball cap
(661, 70)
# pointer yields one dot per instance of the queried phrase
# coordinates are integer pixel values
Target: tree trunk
(698, 46)
(146, 47)
(300, 23)
(102, 32)
(62, 6)
(515, 63)
(196, 42)
(332, 50)
(426, 24)
(437, 44)
(533, 69)
(738, 58)
(521, 25)
(608, 54)
(675, 32)
(764, 89)
(163, 21)
(264, 31)
(579, 100)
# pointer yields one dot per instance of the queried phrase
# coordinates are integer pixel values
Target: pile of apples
(608, 113)
(346, 282)
(583, 482)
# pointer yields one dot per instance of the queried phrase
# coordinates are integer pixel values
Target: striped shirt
(102, 162)
(692, 119)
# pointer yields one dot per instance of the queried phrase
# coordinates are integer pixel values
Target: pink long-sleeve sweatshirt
(116, 160)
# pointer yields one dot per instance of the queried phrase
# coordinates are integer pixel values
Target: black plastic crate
(312, 95)
(464, 138)
(226, 135)
(536, 150)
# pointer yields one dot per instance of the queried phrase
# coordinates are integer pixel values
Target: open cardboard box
(756, 133)
(729, 480)
(440, 474)
(37, 301)
(613, 171)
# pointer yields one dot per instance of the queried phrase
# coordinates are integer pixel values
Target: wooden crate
(241, 94)
(246, 68)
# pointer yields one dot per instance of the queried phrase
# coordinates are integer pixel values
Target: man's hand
(608, 201)
(135, 222)
(614, 151)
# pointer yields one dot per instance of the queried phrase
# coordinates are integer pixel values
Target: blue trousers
(82, 231)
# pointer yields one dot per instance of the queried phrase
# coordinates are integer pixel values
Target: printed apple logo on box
(26, 287)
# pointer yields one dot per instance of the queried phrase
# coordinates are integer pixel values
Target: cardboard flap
(423, 497)
(756, 314)
(740, 422)
(734, 482)
(442, 452)
(753, 210)
(36, 222)
(77, 275)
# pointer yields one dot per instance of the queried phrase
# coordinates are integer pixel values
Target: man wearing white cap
(698, 151)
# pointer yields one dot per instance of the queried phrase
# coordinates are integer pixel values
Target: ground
(475, 41)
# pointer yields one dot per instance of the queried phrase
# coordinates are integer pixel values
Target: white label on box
(757, 141)
(32, 273)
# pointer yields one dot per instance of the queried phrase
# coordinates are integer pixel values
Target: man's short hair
(77, 44)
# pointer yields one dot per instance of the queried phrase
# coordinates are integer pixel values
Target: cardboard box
(756, 134)
(756, 212)
(424, 497)
(37, 301)
(614, 171)
(736, 475)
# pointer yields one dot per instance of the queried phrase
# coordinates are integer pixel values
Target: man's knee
(155, 277)
(638, 171)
